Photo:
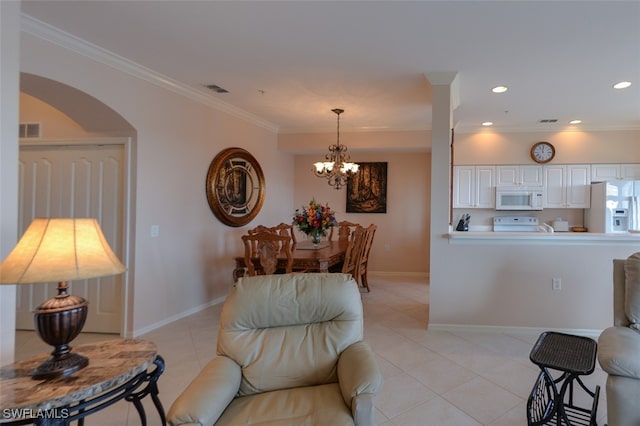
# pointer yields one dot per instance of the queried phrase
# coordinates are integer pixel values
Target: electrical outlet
(155, 231)
(556, 283)
(387, 247)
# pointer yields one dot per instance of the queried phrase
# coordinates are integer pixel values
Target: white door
(75, 181)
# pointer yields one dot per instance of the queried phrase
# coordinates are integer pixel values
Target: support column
(9, 120)
(444, 95)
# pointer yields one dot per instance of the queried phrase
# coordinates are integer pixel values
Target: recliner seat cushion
(632, 290)
(619, 352)
(254, 329)
(314, 405)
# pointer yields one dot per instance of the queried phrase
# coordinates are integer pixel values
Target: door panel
(75, 181)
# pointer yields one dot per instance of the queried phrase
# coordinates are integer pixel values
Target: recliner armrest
(208, 395)
(360, 379)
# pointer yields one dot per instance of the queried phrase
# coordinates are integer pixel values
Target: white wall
(190, 264)
(9, 78)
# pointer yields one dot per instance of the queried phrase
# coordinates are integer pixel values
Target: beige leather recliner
(290, 352)
(619, 346)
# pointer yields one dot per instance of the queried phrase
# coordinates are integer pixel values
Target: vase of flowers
(314, 220)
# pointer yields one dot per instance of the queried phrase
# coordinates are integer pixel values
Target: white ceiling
(291, 62)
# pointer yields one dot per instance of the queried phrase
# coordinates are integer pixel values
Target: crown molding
(49, 33)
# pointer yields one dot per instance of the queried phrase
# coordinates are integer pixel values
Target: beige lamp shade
(57, 249)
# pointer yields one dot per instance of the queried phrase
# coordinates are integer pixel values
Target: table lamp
(56, 249)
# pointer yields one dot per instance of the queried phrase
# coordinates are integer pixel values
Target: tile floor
(430, 377)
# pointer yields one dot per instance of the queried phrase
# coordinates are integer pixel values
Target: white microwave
(519, 197)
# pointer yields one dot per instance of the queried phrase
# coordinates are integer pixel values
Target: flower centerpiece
(314, 220)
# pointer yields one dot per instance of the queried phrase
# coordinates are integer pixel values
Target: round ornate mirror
(235, 187)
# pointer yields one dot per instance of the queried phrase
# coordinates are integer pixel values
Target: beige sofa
(290, 352)
(619, 346)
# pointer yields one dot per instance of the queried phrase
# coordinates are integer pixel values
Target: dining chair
(345, 228)
(354, 250)
(286, 229)
(370, 231)
(262, 250)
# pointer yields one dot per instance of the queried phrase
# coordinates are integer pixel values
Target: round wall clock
(235, 187)
(542, 152)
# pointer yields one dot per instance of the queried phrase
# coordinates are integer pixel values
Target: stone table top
(111, 363)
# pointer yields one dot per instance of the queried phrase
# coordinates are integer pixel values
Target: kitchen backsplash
(482, 219)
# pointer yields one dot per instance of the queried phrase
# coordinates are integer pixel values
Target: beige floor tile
(431, 377)
(482, 400)
(400, 393)
(435, 412)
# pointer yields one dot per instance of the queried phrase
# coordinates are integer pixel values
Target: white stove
(516, 224)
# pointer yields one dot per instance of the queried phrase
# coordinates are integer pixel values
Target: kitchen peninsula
(567, 238)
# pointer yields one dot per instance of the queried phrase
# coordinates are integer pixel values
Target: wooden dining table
(307, 257)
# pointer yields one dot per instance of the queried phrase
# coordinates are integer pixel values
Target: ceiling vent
(549, 120)
(216, 88)
(29, 130)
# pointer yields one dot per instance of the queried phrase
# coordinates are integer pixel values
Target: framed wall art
(367, 189)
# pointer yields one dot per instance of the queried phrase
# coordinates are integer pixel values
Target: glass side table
(120, 369)
(552, 399)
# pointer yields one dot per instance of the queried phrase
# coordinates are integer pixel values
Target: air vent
(29, 130)
(216, 88)
(549, 120)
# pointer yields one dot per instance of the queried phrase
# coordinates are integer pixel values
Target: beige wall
(190, 264)
(54, 124)
(401, 243)
(572, 146)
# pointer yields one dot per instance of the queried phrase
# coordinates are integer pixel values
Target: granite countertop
(111, 363)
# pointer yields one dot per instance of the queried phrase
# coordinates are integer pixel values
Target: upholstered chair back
(287, 330)
(626, 297)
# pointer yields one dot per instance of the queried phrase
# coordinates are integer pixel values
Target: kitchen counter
(568, 238)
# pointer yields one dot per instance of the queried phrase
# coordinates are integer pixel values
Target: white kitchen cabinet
(567, 186)
(603, 172)
(474, 187)
(526, 175)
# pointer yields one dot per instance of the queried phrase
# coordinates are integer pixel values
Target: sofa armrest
(208, 395)
(618, 349)
(360, 379)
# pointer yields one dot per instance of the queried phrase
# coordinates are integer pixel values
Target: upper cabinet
(525, 175)
(567, 186)
(473, 187)
(603, 172)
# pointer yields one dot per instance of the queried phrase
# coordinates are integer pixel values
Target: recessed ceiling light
(575, 122)
(499, 89)
(622, 85)
(488, 123)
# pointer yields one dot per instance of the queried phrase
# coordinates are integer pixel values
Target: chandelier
(337, 168)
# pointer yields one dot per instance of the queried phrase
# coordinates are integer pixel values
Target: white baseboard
(150, 328)
(594, 334)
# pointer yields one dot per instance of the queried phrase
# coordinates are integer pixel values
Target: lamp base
(58, 321)
(60, 367)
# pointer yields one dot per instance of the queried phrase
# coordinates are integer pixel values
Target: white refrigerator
(615, 207)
